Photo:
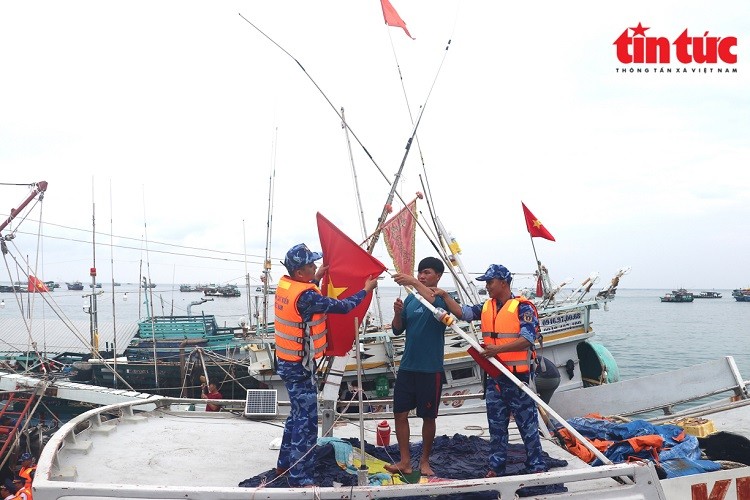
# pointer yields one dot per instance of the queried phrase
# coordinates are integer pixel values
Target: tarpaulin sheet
(456, 457)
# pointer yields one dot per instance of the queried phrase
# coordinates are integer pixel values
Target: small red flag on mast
(534, 226)
(392, 18)
(36, 285)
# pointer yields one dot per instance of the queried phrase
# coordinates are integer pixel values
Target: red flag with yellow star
(534, 226)
(36, 285)
(348, 267)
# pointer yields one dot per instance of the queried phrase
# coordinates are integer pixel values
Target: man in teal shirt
(420, 377)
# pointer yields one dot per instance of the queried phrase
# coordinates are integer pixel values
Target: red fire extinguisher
(383, 434)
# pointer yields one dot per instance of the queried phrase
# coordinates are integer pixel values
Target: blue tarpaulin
(678, 446)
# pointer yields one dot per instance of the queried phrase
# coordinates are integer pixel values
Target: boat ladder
(8, 433)
(192, 359)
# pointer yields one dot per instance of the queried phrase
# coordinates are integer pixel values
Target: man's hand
(490, 351)
(322, 270)
(370, 284)
(398, 306)
(405, 279)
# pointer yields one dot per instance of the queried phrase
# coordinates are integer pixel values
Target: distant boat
(98, 285)
(680, 295)
(189, 288)
(708, 295)
(52, 285)
(741, 294)
(150, 285)
(75, 286)
(271, 289)
(222, 291)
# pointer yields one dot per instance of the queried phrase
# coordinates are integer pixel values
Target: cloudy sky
(166, 120)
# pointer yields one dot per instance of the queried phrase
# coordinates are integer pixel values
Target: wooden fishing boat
(680, 295)
(707, 295)
(94, 457)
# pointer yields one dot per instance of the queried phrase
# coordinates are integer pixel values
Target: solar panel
(261, 403)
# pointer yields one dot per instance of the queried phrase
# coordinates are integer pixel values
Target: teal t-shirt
(425, 337)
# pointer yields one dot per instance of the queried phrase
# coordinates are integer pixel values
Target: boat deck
(172, 451)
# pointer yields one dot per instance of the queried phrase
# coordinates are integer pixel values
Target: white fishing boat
(166, 452)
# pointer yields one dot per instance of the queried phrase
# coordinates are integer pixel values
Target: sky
(166, 123)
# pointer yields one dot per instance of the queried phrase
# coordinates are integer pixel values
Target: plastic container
(700, 427)
(383, 434)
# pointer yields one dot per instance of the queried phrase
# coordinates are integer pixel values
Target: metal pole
(362, 472)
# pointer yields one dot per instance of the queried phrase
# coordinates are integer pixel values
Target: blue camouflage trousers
(504, 398)
(301, 427)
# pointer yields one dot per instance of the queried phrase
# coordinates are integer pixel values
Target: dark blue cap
(298, 256)
(24, 456)
(496, 271)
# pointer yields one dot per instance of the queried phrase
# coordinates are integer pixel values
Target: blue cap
(298, 256)
(24, 456)
(496, 271)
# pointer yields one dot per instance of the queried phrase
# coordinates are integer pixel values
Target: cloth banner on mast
(348, 268)
(534, 226)
(392, 18)
(36, 285)
(399, 234)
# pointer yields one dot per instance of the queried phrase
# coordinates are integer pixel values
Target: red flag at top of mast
(392, 18)
(534, 226)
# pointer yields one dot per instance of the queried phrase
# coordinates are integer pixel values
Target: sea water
(643, 334)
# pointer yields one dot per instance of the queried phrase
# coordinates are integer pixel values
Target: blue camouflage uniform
(301, 427)
(504, 397)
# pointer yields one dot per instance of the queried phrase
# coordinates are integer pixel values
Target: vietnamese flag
(534, 226)
(392, 18)
(36, 285)
(349, 267)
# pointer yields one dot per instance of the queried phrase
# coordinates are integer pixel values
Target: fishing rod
(374, 237)
(321, 92)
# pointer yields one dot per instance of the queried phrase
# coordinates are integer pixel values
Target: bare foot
(399, 467)
(426, 470)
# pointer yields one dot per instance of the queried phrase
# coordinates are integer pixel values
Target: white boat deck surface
(195, 448)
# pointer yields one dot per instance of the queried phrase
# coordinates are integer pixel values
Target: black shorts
(418, 390)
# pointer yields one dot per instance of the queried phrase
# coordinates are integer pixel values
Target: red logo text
(639, 48)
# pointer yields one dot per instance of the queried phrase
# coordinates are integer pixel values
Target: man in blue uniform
(509, 329)
(298, 343)
(420, 375)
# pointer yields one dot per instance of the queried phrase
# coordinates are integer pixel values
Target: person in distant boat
(211, 392)
(509, 329)
(300, 325)
(351, 396)
(420, 378)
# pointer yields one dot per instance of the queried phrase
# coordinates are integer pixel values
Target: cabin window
(462, 373)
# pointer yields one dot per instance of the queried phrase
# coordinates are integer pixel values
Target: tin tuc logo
(637, 48)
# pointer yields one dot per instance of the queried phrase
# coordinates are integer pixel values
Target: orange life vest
(292, 334)
(25, 473)
(24, 493)
(503, 327)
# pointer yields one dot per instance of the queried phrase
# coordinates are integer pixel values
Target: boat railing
(55, 479)
(663, 391)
